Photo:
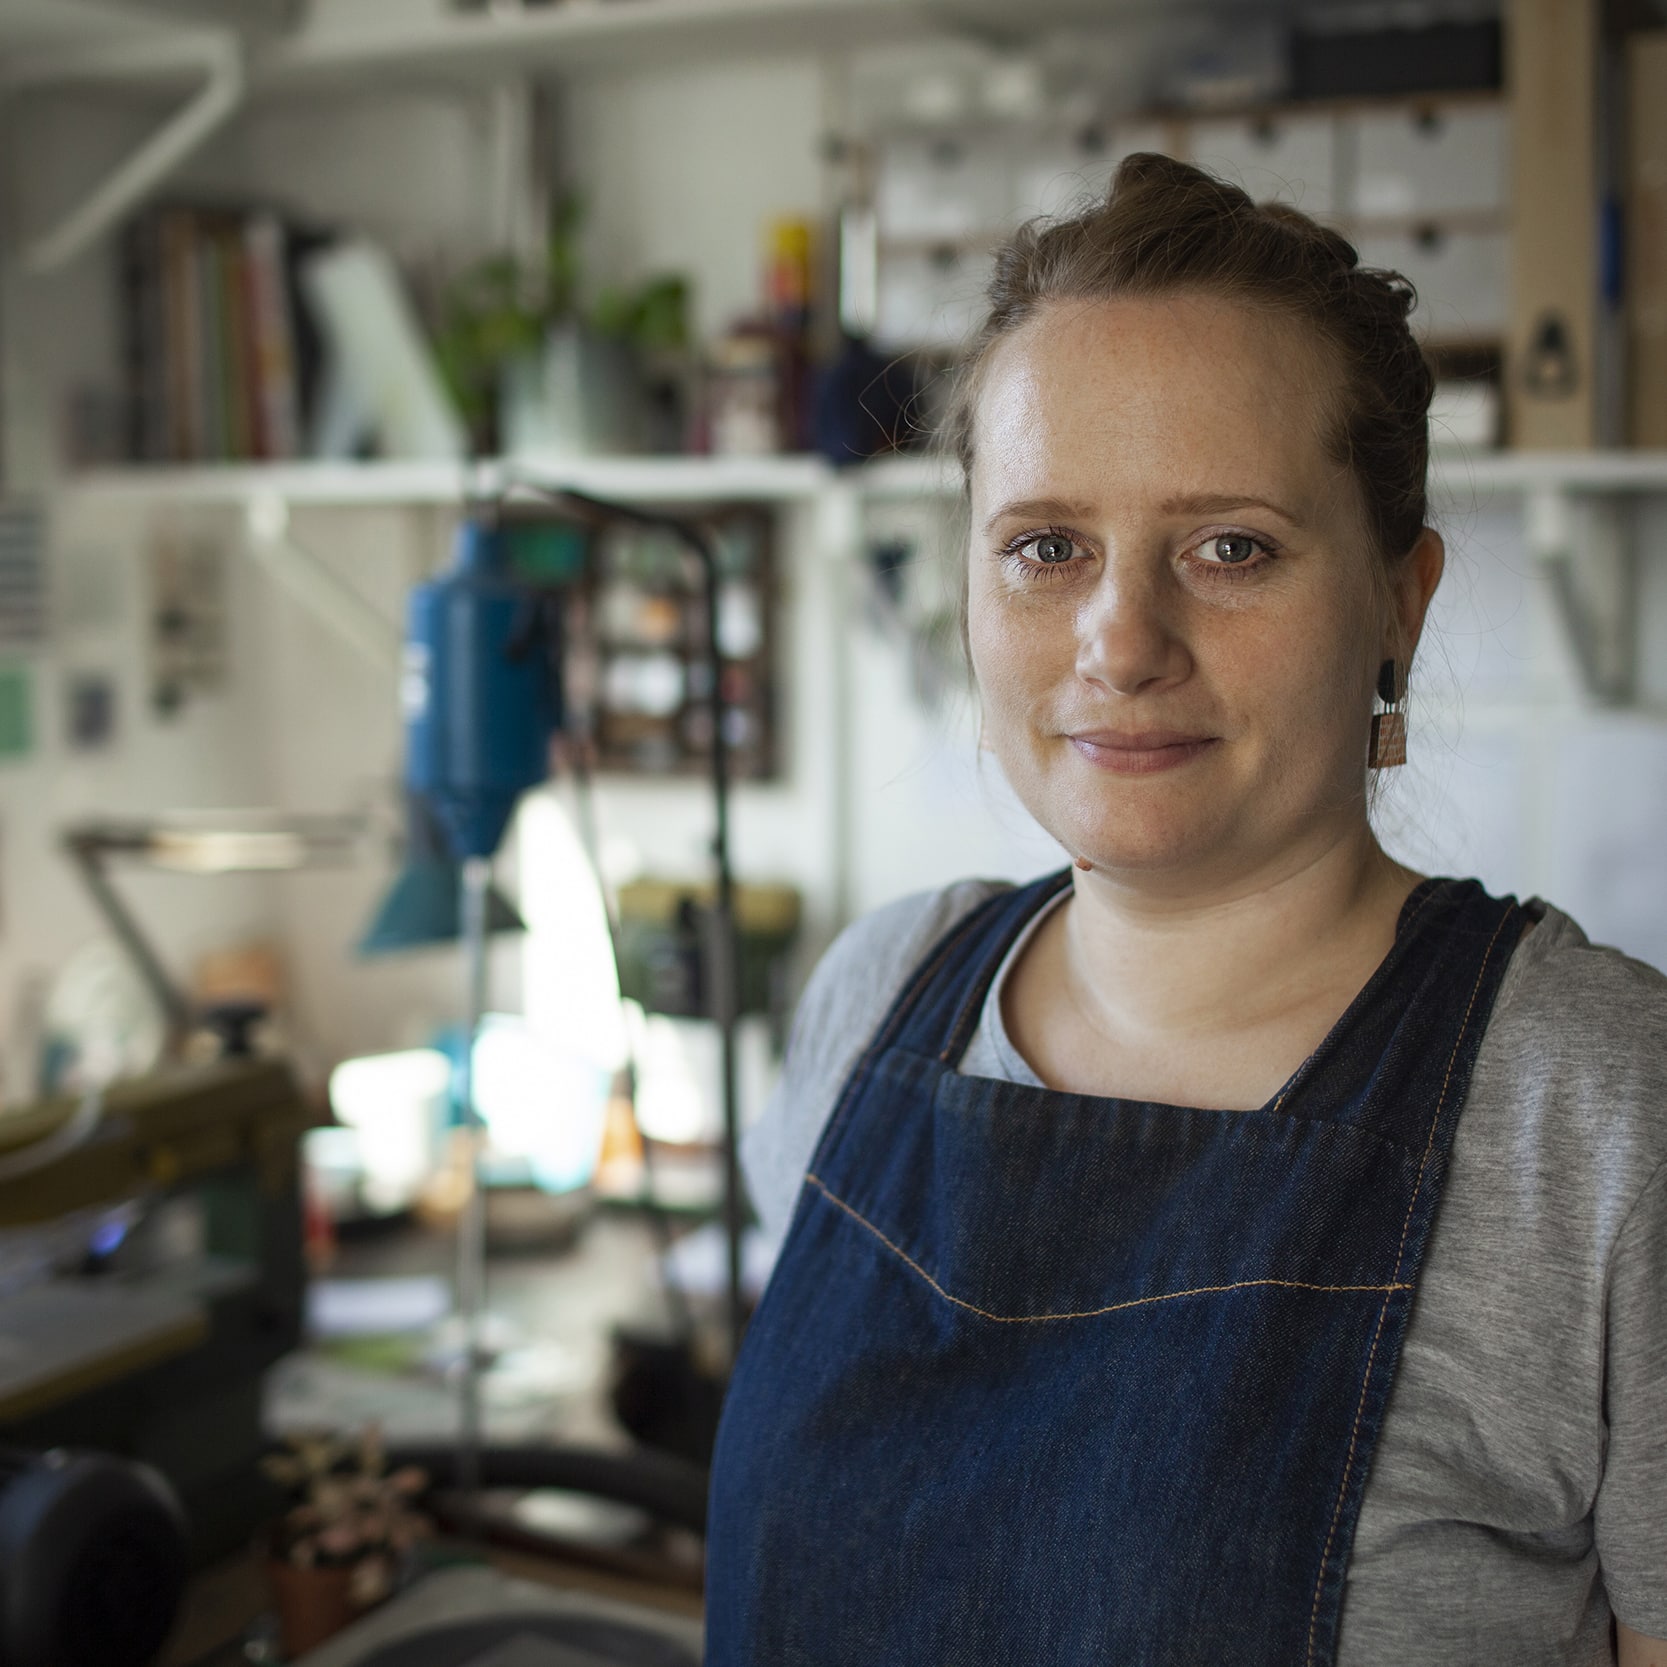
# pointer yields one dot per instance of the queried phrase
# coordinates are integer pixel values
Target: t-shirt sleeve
(849, 994)
(1630, 1516)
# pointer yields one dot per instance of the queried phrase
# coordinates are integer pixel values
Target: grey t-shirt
(1518, 1492)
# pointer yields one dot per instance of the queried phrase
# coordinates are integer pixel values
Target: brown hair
(1166, 226)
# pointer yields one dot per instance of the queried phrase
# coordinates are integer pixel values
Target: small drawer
(1289, 159)
(1463, 279)
(1408, 164)
(946, 187)
(1058, 176)
(931, 299)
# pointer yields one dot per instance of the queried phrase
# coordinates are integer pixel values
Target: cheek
(1309, 679)
(1012, 651)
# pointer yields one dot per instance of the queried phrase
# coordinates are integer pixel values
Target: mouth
(1139, 752)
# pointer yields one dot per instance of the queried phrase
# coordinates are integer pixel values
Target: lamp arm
(85, 853)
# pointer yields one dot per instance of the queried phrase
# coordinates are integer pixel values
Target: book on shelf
(220, 357)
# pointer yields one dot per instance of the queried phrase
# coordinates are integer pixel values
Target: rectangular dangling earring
(1389, 727)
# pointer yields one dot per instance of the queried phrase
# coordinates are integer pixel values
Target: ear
(1411, 587)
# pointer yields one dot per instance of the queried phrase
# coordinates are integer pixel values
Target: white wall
(682, 169)
(1515, 773)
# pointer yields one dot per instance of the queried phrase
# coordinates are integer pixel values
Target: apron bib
(1043, 1379)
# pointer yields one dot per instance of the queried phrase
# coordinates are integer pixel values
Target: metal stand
(471, 1224)
(720, 948)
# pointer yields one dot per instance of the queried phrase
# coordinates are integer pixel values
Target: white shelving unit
(214, 69)
(392, 484)
(1575, 506)
(763, 479)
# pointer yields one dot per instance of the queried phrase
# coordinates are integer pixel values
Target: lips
(1139, 752)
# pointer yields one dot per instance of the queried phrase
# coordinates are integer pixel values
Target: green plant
(652, 319)
(501, 309)
(345, 1510)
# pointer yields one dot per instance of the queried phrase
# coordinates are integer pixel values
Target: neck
(1167, 967)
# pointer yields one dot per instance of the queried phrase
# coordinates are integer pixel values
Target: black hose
(668, 1488)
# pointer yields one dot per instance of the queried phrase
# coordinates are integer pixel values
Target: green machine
(151, 1270)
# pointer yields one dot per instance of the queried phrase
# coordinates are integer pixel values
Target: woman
(1147, 1298)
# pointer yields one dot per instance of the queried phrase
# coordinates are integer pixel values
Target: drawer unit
(1452, 160)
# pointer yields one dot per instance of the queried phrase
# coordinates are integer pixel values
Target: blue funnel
(422, 905)
(422, 908)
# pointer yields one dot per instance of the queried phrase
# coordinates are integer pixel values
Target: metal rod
(176, 1009)
(725, 997)
(720, 958)
(471, 1224)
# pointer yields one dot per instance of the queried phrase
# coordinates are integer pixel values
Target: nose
(1128, 638)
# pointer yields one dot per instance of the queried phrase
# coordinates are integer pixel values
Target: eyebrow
(1213, 503)
(1217, 503)
(1041, 509)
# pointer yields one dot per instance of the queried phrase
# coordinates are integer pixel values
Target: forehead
(1160, 396)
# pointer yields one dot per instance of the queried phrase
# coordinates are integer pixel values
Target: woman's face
(1171, 605)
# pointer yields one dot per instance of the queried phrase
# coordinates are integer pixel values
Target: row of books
(221, 356)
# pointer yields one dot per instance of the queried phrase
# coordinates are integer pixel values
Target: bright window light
(542, 1105)
(396, 1103)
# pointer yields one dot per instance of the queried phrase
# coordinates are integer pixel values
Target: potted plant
(533, 369)
(338, 1546)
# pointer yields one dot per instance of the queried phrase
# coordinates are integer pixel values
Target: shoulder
(867, 965)
(1577, 1001)
(897, 936)
(1577, 1043)
(847, 998)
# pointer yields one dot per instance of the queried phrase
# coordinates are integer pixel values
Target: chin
(1117, 853)
(1140, 839)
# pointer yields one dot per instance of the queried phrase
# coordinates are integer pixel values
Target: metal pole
(471, 1224)
(724, 994)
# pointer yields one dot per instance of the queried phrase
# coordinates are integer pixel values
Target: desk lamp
(207, 842)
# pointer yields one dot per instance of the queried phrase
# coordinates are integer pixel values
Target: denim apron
(1042, 1379)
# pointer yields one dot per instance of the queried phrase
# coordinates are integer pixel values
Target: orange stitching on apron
(1086, 1313)
(1383, 1312)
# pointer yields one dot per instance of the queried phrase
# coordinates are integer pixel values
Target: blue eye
(1053, 548)
(1232, 548)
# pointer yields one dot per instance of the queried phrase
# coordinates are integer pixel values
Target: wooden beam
(1646, 238)
(1551, 59)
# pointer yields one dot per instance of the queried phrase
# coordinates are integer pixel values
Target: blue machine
(480, 691)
